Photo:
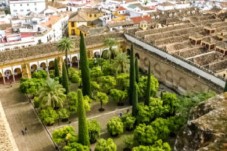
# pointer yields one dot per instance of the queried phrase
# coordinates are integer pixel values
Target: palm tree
(121, 62)
(52, 94)
(65, 44)
(110, 42)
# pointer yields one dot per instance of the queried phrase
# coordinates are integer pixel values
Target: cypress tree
(225, 88)
(84, 67)
(83, 136)
(65, 79)
(137, 70)
(135, 100)
(131, 75)
(56, 69)
(148, 90)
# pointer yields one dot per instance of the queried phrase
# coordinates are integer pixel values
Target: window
(73, 32)
(34, 3)
(95, 15)
(72, 24)
(27, 4)
(35, 9)
(90, 15)
(20, 4)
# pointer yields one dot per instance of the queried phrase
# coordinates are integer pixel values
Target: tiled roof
(52, 20)
(121, 8)
(82, 15)
(120, 23)
(137, 20)
(78, 17)
(166, 4)
(56, 5)
(4, 26)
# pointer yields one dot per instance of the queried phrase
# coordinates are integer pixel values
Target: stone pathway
(20, 114)
(7, 142)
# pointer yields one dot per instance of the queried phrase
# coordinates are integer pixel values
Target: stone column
(13, 77)
(4, 81)
(60, 62)
(26, 71)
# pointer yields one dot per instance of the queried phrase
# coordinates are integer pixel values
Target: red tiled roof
(137, 20)
(120, 8)
(24, 35)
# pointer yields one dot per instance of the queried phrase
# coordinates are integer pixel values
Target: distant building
(85, 17)
(23, 7)
(165, 6)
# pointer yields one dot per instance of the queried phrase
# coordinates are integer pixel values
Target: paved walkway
(20, 114)
(101, 118)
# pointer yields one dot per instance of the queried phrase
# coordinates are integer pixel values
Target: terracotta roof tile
(52, 20)
(121, 8)
(137, 20)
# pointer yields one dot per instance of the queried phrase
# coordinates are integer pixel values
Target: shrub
(93, 130)
(41, 74)
(64, 136)
(63, 114)
(48, 116)
(105, 145)
(115, 126)
(75, 78)
(36, 102)
(158, 146)
(51, 74)
(75, 147)
(144, 135)
(128, 121)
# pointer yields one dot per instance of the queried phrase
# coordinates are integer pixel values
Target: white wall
(22, 7)
(182, 6)
(81, 23)
(160, 7)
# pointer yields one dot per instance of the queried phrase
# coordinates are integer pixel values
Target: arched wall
(172, 75)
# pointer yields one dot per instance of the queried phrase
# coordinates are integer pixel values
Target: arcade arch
(17, 74)
(51, 65)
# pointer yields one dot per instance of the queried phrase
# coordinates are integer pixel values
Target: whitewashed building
(23, 7)
(165, 6)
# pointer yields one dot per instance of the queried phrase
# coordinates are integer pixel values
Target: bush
(158, 146)
(94, 131)
(51, 74)
(144, 135)
(96, 72)
(63, 114)
(128, 121)
(64, 136)
(115, 126)
(128, 142)
(161, 127)
(108, 69)
(105, 145)
(75, 147)
(41, 74)
(154, 85)
(31, 86)
(74, 75)
(75, 78)
(48, 116)
(122, 81)
(72, 101)
(36, 102)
